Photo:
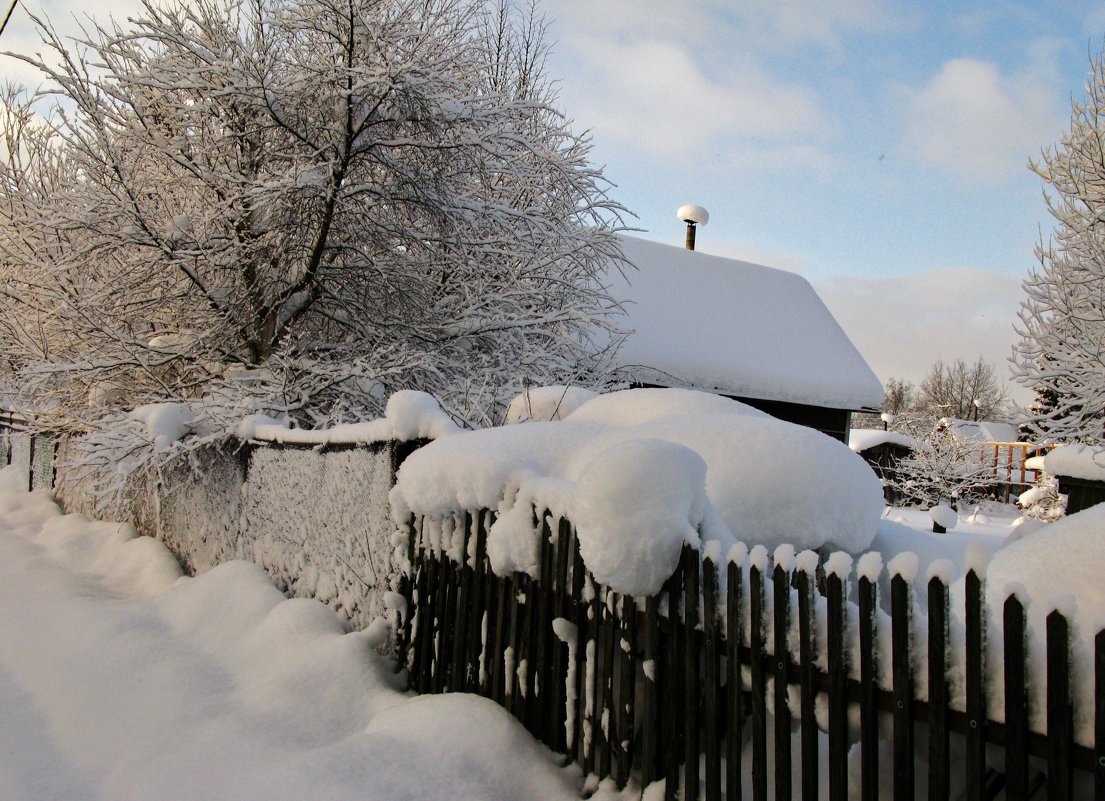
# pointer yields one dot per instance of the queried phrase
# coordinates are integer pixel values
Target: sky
(879, 148)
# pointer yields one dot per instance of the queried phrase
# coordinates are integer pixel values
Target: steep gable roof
(735, 328)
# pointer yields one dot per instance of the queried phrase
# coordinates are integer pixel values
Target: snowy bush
(766, 481)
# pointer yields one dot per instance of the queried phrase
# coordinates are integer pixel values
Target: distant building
(753, 333)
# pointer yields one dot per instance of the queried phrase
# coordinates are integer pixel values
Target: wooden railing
(1008, 463)
(639, 688)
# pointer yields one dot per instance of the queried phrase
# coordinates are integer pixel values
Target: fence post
(803, 581)
(734, 685)
(759, 682)
(975, 681)
(781, 587)
(1060, 777)
(869, 685)
(838, 684)
(1099, 716)
(649, 717)
(1016, 702)
(711, 676)
(939, 767)
(624, 700)
(901, 601)
(691, 560)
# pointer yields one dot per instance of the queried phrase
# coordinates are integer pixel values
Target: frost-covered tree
(942, 468)
(306, 204)
(1061, 353)
(961, 390)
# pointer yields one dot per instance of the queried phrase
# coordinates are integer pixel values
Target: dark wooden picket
(665, 683)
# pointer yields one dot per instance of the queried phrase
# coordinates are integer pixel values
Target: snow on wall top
(736, 328)
(1076, 461)
(860, 439)
(409, 415)
(640, 472)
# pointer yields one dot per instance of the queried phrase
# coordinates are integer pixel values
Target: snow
(547, 403)
(869, 566)
(410, 415)
(737, 328)
(165, 422)
(860, 439)
(983, 430)
(635, 505)
(139, 684)
(1076, 461)
(944, 515)
(765, 481)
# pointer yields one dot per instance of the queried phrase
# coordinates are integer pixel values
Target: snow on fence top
(640, 472)
(737, 328)
(1076, 461)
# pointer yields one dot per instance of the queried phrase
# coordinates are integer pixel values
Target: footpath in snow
(120, 679)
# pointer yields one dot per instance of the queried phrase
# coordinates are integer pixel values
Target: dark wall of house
(834, 422)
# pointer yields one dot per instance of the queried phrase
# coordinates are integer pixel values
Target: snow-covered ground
(120, 679)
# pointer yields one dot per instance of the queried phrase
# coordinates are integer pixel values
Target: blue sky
(877, 147)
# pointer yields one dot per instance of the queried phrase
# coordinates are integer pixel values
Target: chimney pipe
(693, 216)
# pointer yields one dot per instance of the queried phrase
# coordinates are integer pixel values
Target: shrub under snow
(766, 481)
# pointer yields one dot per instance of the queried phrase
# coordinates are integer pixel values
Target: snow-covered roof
(736, 328)
(983, 430)
(860, 439)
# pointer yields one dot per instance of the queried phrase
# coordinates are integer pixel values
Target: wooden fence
(641, 687)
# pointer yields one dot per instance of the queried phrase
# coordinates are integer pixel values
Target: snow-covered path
(120, 680)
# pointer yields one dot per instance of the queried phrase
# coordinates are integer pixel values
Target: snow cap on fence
(784, 557)
(944, 515)
(758, 558)
(1017, 588)
(943, 569)
(905, 565)
(976, 557)
(807, 562)
(839, 564)
(737, 555)
(869, 566)
(635, 505)
(1064, 603)
(712, 551)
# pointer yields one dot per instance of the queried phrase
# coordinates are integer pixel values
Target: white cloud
(976, 122)
(654, 96)
(902, 325)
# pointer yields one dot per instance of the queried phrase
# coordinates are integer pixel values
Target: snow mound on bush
(766, 481)
(547, 403)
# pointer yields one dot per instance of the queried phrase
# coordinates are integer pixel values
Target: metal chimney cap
(696, 215)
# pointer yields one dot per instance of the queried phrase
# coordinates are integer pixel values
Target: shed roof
(735, 328)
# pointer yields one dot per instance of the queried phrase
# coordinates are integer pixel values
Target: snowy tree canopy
(307, 204)
(1061, 354)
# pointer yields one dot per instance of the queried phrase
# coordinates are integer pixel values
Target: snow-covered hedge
(310, 507)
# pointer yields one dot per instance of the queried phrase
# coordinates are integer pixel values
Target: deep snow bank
(765, 482)
(119, 679)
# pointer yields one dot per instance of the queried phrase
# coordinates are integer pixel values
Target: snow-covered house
(749, 332)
